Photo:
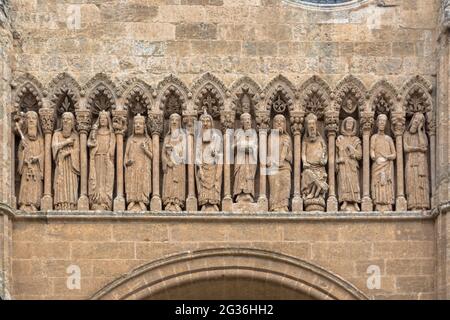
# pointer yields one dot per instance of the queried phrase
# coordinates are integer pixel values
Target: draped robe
(138, 176)
(174, 167)
(245, 163)
(31, 173)
(101, 170)
(382, 182)
(280, 176)
(416, 169)
(67, 170)
(348, 168)
(209, 168)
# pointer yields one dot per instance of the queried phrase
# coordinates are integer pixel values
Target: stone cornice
(223, 216)
(6, 210)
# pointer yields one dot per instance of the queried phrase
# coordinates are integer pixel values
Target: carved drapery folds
(283, 149)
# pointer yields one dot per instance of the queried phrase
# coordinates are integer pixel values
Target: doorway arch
(196, 271)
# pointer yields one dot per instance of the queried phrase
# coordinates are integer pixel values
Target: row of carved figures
(196, 166)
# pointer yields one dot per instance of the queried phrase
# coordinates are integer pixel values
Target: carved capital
(262, 121)
(47, 116)
(331, 121)
(189, 121)
(120, 122)
(155, 123)
(227, 120)
(367, 121)
(83, 120)
(398, 123)
(297, 120)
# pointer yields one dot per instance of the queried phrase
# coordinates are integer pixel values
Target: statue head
(174, 122)
(311, 125)
(246, 103)
(32, 124)
(139, 124)
(381, 122)
(348, 127)
(279, 123)
(246, 120)
(206, 120)
(417, 122)
(104, 119)
(68, 123)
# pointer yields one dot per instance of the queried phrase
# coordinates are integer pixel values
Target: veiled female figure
(66, 154)
(138, 167)
(349, 152)
(174, 166)
(31, 163)
(416, 147)
(209, 164)
(383, 154)
(102, 143)
(279, 160)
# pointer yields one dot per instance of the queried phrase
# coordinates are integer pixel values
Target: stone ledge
(147, 215)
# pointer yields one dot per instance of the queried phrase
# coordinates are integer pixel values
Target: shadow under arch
(160, 276)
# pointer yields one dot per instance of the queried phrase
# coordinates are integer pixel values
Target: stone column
(47, 116)
(189, 122)
(432, 135)
(331, 126)
(262, 125)
(227, 121)
(398, 127)
(296, 120)
(156, 121)
(367, 120)
(83, 126)
(120, 122)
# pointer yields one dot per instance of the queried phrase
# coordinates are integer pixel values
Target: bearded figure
(66, 154)
(314, 156)
(348, 155)
(416, 165)
(31, 162)
(279, 163)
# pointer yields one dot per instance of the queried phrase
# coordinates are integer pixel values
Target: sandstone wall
(259, 38)
(106, 248)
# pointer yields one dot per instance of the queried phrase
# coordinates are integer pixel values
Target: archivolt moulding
(201, 265)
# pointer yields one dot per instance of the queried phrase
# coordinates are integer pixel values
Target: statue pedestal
(156, 204)
(366, 204)
(245, 207)
(263, 204)
(46, 203)
(297, 204)
(401, 204)
(227, 204)
(119, 204)
(315, 204)
(83, 203)
(191, 204)
(332, 204)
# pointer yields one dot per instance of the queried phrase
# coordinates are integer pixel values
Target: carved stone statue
(209, 165)
(66, 154)
(349, 152)
(138, 167)
(102, 142)
(174, 165)
(416, 149)
(30, 163)
(382, 152)
(279, 163)
(245, 162)
(314, 157)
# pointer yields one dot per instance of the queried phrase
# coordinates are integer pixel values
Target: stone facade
(342, 108)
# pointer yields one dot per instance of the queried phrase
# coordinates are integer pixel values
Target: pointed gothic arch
(28, 94)
(210, 93)
(173, 95)
(315, 96)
